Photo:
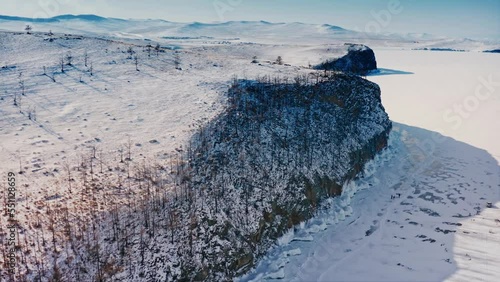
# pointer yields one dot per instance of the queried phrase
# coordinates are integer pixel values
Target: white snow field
(454, 93)
(438, 227)
(442, 163)
(156, 107)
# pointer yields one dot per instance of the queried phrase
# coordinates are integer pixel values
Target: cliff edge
(267, 163)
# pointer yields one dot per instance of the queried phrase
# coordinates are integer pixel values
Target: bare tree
(32, 113)
(46, 74)
(157, 49)
(85, 57)
(20, 164)
(50, 34)
(67, 167)
(136, 62)
(172, 223)
(28, 29)
(17, 100)
(129, 149)
(91, 162)
(120, 150)
(177, 61)
(100, 160)
(279, 60)
(22, 86)
(61, 62)
(130, 52)
(69, 59)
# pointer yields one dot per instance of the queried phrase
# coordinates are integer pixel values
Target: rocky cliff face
(359, 59)
(267, 163)
(270, 161)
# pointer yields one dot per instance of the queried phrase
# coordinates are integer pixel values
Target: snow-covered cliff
(359, 59)
(268, 161)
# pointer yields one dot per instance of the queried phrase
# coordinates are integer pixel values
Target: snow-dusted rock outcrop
(359, 59)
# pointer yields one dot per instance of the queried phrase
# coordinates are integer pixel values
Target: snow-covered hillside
(99, 142)
(103, 121)
(158, 100)
(106, 122)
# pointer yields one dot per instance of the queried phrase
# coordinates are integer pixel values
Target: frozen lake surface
(442, 168)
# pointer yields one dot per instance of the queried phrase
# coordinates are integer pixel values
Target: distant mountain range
(54, 19)
(235, 31)
(154, 29)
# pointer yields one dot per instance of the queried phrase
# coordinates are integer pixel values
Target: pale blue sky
(458, 18)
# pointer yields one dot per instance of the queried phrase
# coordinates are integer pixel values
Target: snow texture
(108, 135)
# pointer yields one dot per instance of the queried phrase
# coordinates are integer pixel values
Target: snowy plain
(443, 157)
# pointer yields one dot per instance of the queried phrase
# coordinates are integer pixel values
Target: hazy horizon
(459, 18)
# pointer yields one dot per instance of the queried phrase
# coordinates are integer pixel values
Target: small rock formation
(359, 59)
(492, 51)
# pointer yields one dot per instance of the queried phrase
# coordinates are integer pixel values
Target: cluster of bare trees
(279, 60)
(149, 49)
(28, 28)
(238, 184)
(67, 60)
(22, 92)
(102, 206)
(17, 101)
(132, 55)
(157, 49)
